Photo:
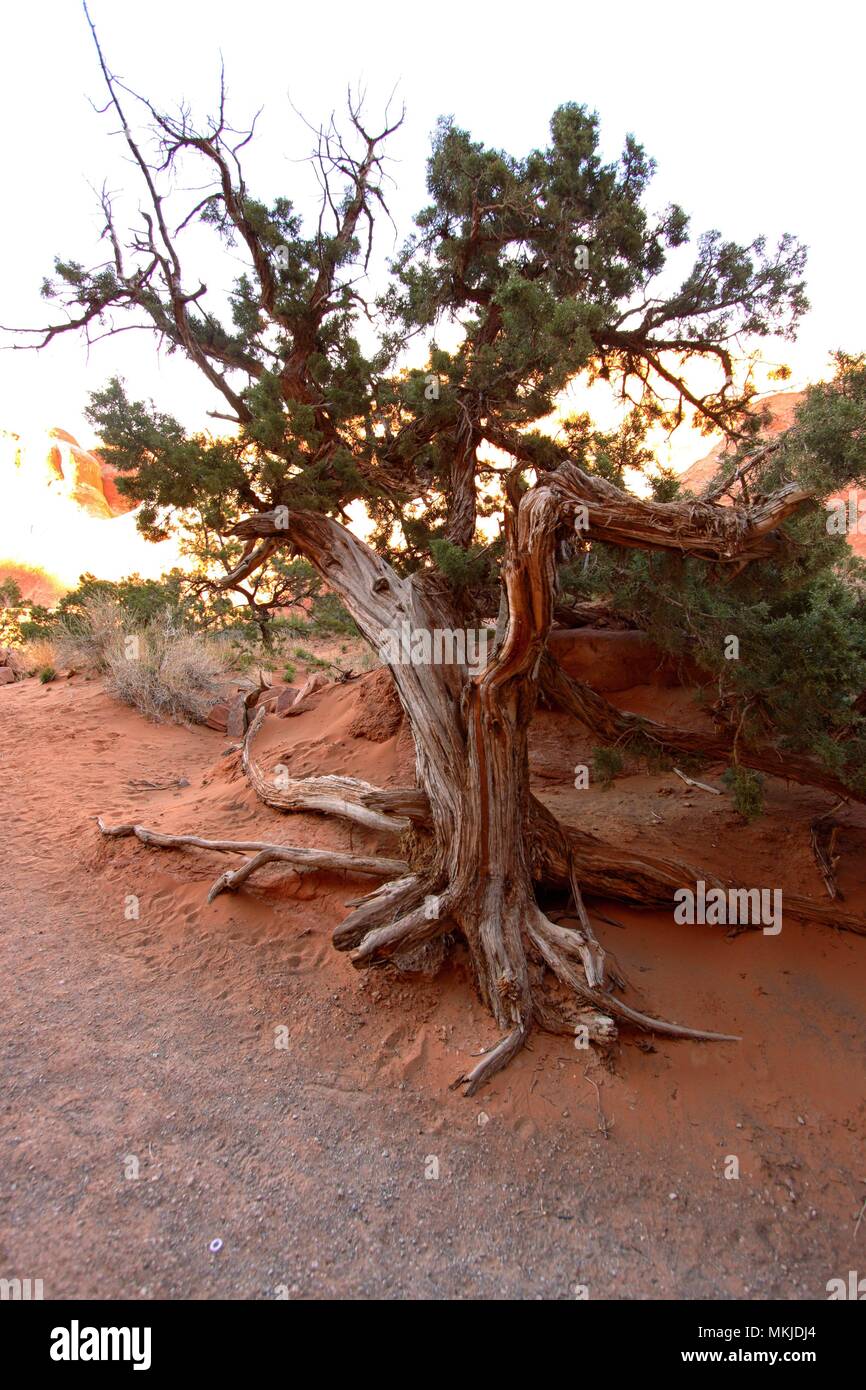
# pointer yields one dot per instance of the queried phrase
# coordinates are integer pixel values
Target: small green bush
(607, 763)
(747, 789)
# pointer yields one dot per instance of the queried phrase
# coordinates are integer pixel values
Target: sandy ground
(148, 1045)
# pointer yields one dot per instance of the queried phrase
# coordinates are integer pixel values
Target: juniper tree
(524, 274)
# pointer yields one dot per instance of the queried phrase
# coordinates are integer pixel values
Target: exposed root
(296, 855)
(546, 936)
(824, 830)
(551, 1018)
(428, 920)
(426, 959)
(493, 1061)
(335, 796)
(561, 856)
(233, 878)
(376, 908)
(410, 802)
(572, 943)
(559, 851)
(660, 1025)
(587, 946)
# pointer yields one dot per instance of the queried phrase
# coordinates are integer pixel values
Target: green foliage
(607, 763)
(37, 628)
(141, 600)
(13, 615)
(289, 672)
(492, 268)
(463, 569)
(10, 593)
(800, 617)
(329, 617)
(747, 788)
(47, 674)
(610, 454)
(656, 758)
(490, 301)
(664, 484)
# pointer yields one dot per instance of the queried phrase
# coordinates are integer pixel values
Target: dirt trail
(153, 1039)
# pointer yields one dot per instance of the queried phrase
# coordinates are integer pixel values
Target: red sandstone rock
(782, 409)
(608, 660)
(218, 717)
(236, 723)
(380, 713)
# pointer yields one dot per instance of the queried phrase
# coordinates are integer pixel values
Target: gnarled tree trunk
(487, 840)
(472, 765)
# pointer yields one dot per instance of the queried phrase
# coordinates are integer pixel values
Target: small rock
(236, 722)
(218, 717)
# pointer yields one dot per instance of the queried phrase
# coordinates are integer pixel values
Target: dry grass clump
(167, 673)
(21, 663)
(85, 640)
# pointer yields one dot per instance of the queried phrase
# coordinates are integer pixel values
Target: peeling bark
(489, 841)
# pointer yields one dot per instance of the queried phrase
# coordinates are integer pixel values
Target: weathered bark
(472, 767)
(644, 880)
(297, 855)
(489, 842)
(336, 796)
(729, 536)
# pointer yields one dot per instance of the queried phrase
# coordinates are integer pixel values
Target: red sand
(154, 1038)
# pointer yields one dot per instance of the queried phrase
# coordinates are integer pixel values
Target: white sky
(753, 111)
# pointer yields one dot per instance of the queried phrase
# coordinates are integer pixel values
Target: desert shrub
(289, 672)
(78, 619)
(12, 610)
(747, 789)
(86, 637)
(142, 600)
(167, 673)
(606, 764)
(239, 653)
(310, 660)
(47, 674)
(37, 654)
